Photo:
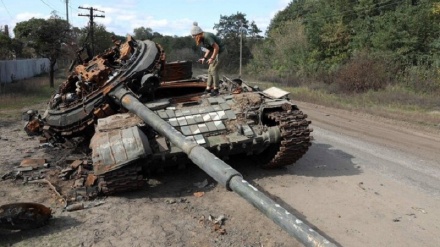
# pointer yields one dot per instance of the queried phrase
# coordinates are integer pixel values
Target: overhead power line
(49, 6)
(6, 9)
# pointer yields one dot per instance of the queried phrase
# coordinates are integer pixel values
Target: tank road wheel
(295, 139)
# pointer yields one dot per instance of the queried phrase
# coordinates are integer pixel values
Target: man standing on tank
(213, 47)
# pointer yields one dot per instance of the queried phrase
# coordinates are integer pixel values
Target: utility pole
(67, 11)
(91, 15)
(241, 29)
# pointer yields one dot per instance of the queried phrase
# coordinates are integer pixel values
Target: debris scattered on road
(199, 194)
(24, 169)
(412, 215)
(219, 220)
(170, 201)
(12, 175)
(46, 145)
(421, 210)
(217, 223)
(33, 163)
(361, 185)
(52, 187)
(75, 207)
(83, 205)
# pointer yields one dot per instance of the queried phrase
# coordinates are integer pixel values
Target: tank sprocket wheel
(128, 178)
(295, 138)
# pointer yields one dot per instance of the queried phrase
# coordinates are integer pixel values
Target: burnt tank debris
(23, 216)
(138, 113)
(241, 120)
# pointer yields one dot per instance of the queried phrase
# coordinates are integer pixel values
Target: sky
(168, 17)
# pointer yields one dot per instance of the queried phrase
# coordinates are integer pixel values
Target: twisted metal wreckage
(143, 113)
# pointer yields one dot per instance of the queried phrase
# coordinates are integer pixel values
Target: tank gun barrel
(222, 172)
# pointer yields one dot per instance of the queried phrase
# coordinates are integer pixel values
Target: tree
(143, 33)
(285, 54)
(5, 47)
(298, 9)
(46, 37)
(230, 28)
(101, 37)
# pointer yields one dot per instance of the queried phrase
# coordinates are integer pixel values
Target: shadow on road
(56, 225)
(323, 160)
(320, 161)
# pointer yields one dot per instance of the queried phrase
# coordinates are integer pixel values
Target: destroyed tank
(241, 120)
(141, 113)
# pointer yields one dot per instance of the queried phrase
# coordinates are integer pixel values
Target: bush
(362, 74)
(421, 79)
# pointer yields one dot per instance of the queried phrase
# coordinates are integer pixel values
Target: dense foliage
(45, 37)
(355, 46)
(236, 31)
(352, 43)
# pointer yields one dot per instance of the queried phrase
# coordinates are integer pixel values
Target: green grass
(19, 96)
(393, 102)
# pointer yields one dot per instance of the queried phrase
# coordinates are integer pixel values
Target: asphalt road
(368, 181)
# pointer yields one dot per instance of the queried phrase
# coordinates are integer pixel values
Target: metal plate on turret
(275, 92)
(200, 139)
(220, 100)
(116, 148)
(222, 115)
(186, 130)
(212, 101)
(211, 126)
(182, 121)
(117, 121)
(230, 114)
(194, 129)
(214, 116)
(160, 104)
(217, 107)
(170, 113)
(173, 122)
(206, 117)
(225, 106)
(162, 114)
(219, 125)
(186, 112)
(198, 118)
(201, 120)
(190, 120)
(203, 128)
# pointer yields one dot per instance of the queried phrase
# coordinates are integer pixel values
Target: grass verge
(392, 102)
(19, 96)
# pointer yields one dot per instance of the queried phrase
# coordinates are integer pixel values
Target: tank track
(295, 137)
(128, 178)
